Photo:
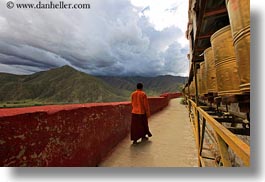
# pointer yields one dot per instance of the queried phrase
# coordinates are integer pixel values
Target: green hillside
(66, 85)
(60, 85)
(152, 85)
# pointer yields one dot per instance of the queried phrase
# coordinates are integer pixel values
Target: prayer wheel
(192, 88)
(203, 78)
(210, 71)
(199, 81)
(186, 91)
(225, 62)
(239, 16)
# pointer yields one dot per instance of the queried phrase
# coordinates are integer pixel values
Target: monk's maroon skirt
(139, 126)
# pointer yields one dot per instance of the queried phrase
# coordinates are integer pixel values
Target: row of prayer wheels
(226, 66)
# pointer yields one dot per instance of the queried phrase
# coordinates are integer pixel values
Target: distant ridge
(59, 85)
(67, 85)
(152, 85)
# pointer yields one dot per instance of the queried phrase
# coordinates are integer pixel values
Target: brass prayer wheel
(239, 16)
(225, 62)
(186, 91)
(192, 88)
(210, 70)
(203, 77)
(199, 81)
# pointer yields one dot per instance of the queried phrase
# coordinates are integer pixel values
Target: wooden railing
(224, 138)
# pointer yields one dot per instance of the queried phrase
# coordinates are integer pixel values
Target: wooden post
(223, 151)
(196, 114)
(202, 137)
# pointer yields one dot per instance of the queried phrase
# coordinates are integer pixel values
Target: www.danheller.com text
(47, 5)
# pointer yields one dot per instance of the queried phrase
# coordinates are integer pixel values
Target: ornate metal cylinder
(225, 62)
(199, 81)
(203, 78)
(192, 88)
(239, 16)
(210, 71)
(186, 91)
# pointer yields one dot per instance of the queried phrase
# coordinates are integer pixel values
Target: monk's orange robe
(140, 103)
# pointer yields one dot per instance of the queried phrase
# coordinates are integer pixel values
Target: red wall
(66, 135)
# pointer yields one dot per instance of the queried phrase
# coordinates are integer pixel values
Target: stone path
(172, 143)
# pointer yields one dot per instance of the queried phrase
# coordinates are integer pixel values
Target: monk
(140, 113)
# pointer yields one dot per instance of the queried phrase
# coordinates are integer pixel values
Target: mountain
(60, 85)
(152, 85)
(67, 85)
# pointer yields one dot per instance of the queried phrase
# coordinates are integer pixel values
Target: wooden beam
(200, 49)
(221, 10)
(204, 36)
(201, 9)
(244, 98)
(227, 120)
(240, 131)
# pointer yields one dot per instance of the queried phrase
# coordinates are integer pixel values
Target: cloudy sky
(113, 37)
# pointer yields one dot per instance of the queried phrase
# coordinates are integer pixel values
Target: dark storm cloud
(108, 39)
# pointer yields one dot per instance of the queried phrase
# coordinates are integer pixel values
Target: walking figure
(140, 113)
